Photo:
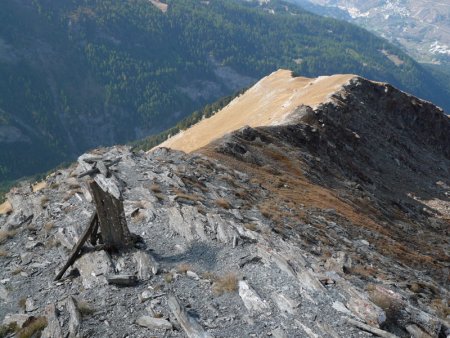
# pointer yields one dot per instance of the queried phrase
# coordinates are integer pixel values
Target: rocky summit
(326, 215)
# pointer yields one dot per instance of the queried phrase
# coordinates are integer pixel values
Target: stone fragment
(371, 329)
(338, 306)
(416, 332)
(146, 295)
(122, 280)
(177, 223)
(29, 305)
(192, 274)
(251, 299)
(278, 333)
(190, 326)
(146, 265)
(285, 304)
(224, 231)
(154, 323)
(188, 222)
(93, 268)
(74, 318)
(3, 293)
(338, 262)
(26, 258)
(366, 310)
(53, 328)
(32, 244)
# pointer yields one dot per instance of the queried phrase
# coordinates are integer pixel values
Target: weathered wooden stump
(109, 215)
(111, 218)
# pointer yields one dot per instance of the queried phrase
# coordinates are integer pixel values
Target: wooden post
(111, 218)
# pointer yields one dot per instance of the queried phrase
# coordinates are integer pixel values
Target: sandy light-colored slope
(268, 102)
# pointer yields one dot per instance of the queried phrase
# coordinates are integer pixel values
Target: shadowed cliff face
(332, 223)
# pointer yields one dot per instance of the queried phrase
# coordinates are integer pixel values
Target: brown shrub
(364, 271)
(84, 308)
(5, 330)
(44, 201)
(21, 303)
(168, 278)
(226, 283)
(49, 226)
(223, 203)
(250, 226)
(32, 327)
(441, 307)
(155, 188)
(7, 234)
(188, 197)
(183, 268)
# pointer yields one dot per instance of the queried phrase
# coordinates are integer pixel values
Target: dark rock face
(330, 226)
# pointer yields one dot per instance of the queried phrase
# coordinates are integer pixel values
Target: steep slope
(79, 74)
(331, 222)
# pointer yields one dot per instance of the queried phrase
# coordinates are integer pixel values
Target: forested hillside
(77, 74)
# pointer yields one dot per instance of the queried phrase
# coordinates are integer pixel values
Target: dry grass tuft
(21, 303)
(390, 302)
(156, 188)
(168, 278)
(74, 186)
(183, 268)
(44, 201)
(266, 211)
(211, 276)
(242, 194)
(7, 234)
(441, 307)
(54, 186)
(52, 242)
(68, 196)
(84, 308)
(17, 271)
(250, 226)
(139, 204)
(31, 328)
(49, 226)
(193, 182)
(3, 253)
(5, 330)
(138, 217)
(226, 283)
(364, 271)
(190, 197)
(223, 203)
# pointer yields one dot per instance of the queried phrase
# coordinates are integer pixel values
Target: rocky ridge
(333, 223)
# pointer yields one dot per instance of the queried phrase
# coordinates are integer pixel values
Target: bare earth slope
(268, 102)
(323, 220)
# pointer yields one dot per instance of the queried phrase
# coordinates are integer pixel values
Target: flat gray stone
(154, 323)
